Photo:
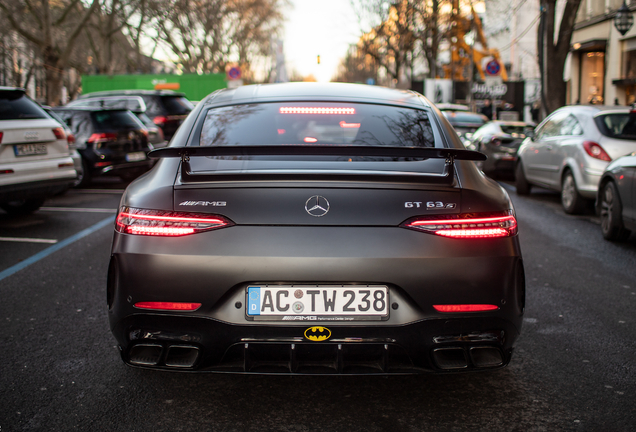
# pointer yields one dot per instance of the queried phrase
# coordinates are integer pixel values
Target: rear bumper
(37, 189)
(214, 269)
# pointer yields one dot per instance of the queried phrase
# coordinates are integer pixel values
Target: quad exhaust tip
(176, 356)
(456, 358)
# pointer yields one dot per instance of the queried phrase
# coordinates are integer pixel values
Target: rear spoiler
(449, 154)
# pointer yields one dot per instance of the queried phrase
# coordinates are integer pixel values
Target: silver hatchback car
(570, 150)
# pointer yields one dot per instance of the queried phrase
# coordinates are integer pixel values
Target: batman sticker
(317, 334)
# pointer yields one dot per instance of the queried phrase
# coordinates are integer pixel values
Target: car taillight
(166, 223)
(465, 307)
(59, 133)
(173, 306)
(97, 138)
(70, 139)
(471, 225)
(596, 151)
(160, 120)
(1, 133)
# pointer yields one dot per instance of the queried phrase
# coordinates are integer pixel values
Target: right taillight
(465, 226)
(98, 138)
(596, 151)
(166, 223)
(160, 120)
(1, 134)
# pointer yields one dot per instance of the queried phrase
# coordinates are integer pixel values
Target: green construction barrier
(195, 87)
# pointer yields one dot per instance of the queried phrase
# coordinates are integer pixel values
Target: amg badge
(204, 203)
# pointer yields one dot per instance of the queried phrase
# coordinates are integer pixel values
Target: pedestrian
(487, 109)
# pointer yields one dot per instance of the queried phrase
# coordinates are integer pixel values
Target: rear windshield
(177, 105)
(318, 124)
(617, 125)
(15, 105)
(115, 120)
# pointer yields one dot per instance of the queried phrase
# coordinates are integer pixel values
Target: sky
(319, 27)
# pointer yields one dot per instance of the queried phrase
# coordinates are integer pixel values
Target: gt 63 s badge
(317, 333)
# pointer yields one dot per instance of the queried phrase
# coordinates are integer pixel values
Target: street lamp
(623, 20)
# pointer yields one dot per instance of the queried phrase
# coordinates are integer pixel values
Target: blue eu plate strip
(253, 300)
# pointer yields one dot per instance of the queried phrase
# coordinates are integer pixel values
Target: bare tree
(552, 54)
(54, 27)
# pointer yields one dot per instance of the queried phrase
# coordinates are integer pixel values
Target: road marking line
(78, 209)
(27, 240)
(51, 249)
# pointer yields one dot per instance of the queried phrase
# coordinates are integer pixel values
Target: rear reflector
(6, 171)
(466, 225)
(465, 308)
(316, 110)
(1, 134)
(166, 223)
(168, 306)
(66, 165)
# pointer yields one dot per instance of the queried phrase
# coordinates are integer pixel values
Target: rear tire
(22, 207)
(521, 183)
(84, 179)
(612, 214)
(571, 200)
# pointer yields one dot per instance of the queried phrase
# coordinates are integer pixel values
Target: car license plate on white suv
(135, 156)
(29, 149)
(317, 302)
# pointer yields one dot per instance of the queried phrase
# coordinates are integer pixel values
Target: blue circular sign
(234, 73)
(493, 67)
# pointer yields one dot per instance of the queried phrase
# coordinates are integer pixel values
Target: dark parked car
(110, 141)
(166, 108)
(500, 141)
(135, 104)
(310, 228)
(465, 123)
(616, 201)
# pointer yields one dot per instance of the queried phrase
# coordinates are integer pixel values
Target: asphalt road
(574, 367)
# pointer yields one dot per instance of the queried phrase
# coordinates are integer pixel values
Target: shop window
(592, 77)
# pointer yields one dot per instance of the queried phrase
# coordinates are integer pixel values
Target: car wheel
(84, 179)
(521, 183)
(571, 199)
(22, 207)
(611, 214)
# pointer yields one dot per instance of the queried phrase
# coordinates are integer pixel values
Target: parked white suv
(35, 161)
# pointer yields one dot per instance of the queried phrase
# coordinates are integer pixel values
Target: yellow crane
(461, 52)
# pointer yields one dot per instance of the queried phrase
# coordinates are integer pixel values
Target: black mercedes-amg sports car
(316, 229)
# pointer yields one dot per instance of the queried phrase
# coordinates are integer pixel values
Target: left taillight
(596, 151)
(166, 223)
(466, 226)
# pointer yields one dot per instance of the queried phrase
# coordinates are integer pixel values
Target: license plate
(317, 302)
(136, 156)
(29, 149)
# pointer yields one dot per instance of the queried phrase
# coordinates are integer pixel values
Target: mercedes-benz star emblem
(317, 206)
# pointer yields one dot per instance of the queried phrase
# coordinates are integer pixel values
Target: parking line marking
(51, 249)
(27, 240)
(79, 209)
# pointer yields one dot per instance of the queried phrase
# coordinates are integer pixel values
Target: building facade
(601, 68)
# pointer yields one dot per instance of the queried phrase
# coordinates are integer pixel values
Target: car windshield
(317, 123)
(177, 105)
(15, 105)
(617, 125)
(115, 120)
(516, 130)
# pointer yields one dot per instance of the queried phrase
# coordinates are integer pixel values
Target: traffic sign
(493, 68)
(234, 73)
